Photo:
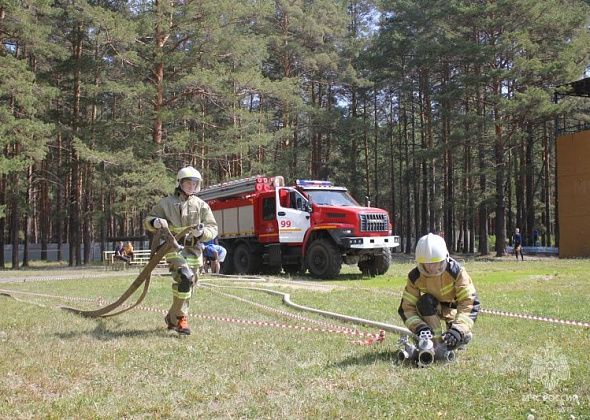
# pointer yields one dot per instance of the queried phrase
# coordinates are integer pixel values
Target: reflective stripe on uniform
(181, 295)
(446, 289)
(466, 292)
(413, 320)
(410, 298)
(174, 258)
(192, 261)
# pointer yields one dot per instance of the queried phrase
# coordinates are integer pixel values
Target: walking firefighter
(178, 210)
(437, 290)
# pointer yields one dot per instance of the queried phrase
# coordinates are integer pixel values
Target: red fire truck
(267, 226)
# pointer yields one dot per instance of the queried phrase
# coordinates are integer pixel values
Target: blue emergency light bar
(312, 183)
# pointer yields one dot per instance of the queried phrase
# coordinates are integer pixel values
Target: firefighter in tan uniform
(439, 289)
(178, 211)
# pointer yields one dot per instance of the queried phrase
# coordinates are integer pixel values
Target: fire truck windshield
(331, 198)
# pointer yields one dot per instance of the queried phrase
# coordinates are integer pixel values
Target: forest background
(441, 112)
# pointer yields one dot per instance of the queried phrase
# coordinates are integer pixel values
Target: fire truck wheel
(383, 261)
(246, 261)
(293, 269)
(324, 259)
(368, 267)
(377, 265)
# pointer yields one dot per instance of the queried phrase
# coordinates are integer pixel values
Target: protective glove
(197, 232)
(425, 332)
(452, 337)
(159, 223)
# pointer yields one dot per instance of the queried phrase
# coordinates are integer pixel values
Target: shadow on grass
(106, 331)
(367, 359)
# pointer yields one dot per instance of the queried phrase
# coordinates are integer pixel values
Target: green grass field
(56, 364)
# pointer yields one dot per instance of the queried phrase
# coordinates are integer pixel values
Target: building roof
(578, 88)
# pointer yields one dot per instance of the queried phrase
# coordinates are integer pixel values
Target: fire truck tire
(368, 268)
(383, 261)
(377, 265)
(324, 259)
(227, 267)
(293, 269)
(245, 261)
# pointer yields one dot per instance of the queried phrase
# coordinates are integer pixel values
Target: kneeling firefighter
(439, 289)
(178, 210)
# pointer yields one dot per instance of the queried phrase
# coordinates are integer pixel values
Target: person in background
(517, 243)
(214, 255)
(128, 251)
(120, 252)
(536, 241)
(177, 211)
(439, 289)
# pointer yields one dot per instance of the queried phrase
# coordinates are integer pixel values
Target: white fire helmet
(191, 173)
(432, 249)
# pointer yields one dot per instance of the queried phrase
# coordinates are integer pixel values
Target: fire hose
(424, 352)
(158, 250)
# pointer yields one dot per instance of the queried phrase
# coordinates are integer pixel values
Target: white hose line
(283, 312)
(287, 301)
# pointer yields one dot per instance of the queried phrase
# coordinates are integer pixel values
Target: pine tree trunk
(546, 234)
(449, 225)
(464, 235)
(74, 228)
(376, 149)
(530, 185)
(415, 173)
(425, 207)
(483, 246)
(500, 199)
(14, 220)
(406, 177)
(160, 38)
(87, 199)
(402, 184)
(425, 88)
(511, 167)
(313, 161)
(366, 169)
(2, 220)
(44, 209)
(392, 178)
(354, 188)
(519, 175)
(59, 202)
(28, 217)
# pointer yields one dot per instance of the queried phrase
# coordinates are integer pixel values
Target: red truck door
(293, 216)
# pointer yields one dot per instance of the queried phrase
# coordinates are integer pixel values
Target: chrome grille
(374, 222)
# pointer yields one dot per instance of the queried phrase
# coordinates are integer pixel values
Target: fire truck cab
(268, 227)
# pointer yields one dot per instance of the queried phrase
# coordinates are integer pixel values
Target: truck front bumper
(369, 242)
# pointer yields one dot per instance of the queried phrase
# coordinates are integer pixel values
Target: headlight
(347, 231)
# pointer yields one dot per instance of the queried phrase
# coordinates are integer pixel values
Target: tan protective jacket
(453, 289)
(181, 213)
